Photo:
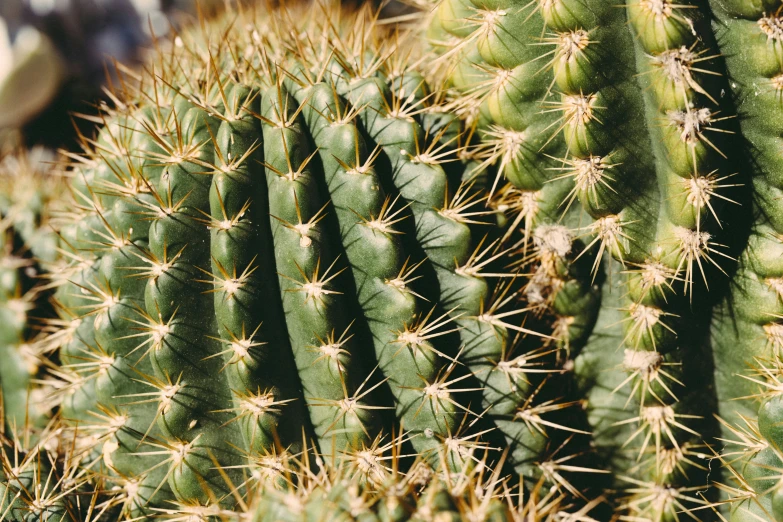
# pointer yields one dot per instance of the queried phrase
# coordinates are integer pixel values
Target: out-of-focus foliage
(57, 56)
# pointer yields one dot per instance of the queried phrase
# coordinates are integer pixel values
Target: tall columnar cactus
(747, 326)
(30, 189)
(613, 125)
(274, 257)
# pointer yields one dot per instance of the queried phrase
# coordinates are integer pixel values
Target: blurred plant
(56, 57)
(53, 58)
(30, 74)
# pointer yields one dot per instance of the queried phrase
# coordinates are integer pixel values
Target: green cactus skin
(746, 327)
(624, 111)
(277, 259)
(30, 187)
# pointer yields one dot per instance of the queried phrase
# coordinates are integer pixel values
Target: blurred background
(56, 57)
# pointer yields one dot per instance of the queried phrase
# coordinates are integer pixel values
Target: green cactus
(746, 325)
(28, 204)
(310, 272)
(274, 257)
(614, 125)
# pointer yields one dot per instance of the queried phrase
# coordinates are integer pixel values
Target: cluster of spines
(350, 490)
(48, 481)
(34, 485)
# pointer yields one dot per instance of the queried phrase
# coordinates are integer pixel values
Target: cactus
(273, 259)
(310, 272)
(31, 189)
(746, 325)
(613, 125)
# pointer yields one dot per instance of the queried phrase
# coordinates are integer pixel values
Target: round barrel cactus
(286, 294)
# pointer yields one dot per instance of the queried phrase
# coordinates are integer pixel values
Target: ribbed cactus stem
(746, 329)
(611, 127)
(280, 259)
